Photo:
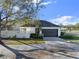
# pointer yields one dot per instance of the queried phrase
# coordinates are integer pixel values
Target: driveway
(52, 39)
(54, 48)
(50, 50)
(6, 53)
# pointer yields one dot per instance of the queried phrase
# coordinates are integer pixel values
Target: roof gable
(47, 24)
(42, 23)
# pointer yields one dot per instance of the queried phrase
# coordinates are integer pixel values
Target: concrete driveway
(54, 48)
(52, 39)
(51, 50)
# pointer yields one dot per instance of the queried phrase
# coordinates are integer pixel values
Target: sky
(60, 11)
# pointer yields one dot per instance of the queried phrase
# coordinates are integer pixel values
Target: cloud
(65, 20)
(49, 2)
(46, 3)
(15, 9)
(36, 1)
(43, 3)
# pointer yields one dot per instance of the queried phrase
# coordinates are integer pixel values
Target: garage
(50, 32)
(49, 29)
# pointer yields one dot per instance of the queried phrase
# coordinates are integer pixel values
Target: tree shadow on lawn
(16, 52)
(32, 45)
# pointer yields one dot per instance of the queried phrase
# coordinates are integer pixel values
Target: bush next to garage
(71, 37)
(36, 36)
(62, 33)
(67, 37)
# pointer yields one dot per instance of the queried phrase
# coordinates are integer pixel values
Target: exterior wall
(18, 33)
(6, 34)
(50, 27)
(27, 29)
(59, 31)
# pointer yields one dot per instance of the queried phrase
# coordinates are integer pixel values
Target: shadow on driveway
(22, 56)
(17, 54)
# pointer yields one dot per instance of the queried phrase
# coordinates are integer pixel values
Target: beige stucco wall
(20, 33)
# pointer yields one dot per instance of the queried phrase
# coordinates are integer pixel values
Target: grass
(72, 40)
(69, 37)
(23, 42)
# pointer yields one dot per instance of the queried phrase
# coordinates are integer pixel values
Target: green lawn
(23, 42)
(72, 40)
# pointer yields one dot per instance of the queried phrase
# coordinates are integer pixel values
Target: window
(23, 29)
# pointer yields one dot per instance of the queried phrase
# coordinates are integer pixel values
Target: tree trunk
(0, 31)
(0, 24)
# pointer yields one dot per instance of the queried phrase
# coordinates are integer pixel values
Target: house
(48, 29)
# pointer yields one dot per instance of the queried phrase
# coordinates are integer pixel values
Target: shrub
(13, 38)
(62, 33)
(67, 37)
(36, 36)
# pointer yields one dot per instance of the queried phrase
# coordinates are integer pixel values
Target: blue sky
(61, 11)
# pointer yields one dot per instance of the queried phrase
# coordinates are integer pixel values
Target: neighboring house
(47, 29)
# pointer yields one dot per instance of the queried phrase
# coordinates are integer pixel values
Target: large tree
(18, 9)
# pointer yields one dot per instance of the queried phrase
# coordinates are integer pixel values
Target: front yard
(70, 37)
(23, 41)
(69, 40)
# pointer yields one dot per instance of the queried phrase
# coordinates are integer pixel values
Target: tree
(77, 26)
(18, 9)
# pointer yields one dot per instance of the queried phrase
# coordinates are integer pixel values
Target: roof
(47, 24)
(43, 23)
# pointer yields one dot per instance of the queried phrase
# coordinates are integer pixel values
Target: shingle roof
(47, 24)
(43, 23)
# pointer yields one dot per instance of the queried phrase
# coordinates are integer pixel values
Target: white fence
(6, 34)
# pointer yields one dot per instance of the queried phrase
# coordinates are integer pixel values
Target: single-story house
(48, 29)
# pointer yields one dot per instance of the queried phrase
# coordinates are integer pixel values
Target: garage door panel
(50, 32)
